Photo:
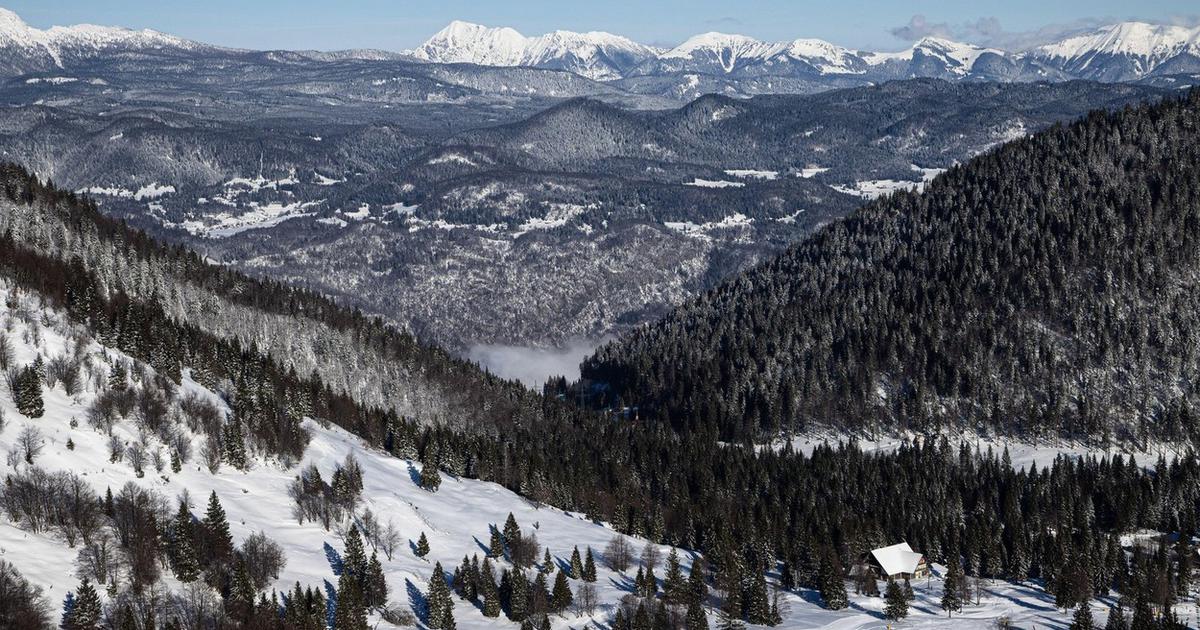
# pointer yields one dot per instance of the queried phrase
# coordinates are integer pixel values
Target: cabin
(897, 562)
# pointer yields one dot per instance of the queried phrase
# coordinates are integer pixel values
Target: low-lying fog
(532, 366)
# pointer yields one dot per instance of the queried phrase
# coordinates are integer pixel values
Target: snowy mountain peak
(596, 55)
(1138, 39)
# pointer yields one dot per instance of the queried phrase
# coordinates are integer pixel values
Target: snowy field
(456, 518)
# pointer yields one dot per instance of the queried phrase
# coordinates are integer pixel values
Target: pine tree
(1083, 618)
(650, 584)
(431, 478)
(576, 565)
(833, 586)
(27, 393)
(354, 559)
(787, 579)
(351, 613)
(561, 597)
(241, 592)
(674, 586)
(85, 611)
(440, 605)
(491, 594)
(547, 561)
(589, 567)
(697, 590)
(1116, 619)
(512, 531)
(234, 443)
(895, 602)
(116, 379)
(375, 588)
(758, 602)
(422, 546)
(952, 587)
(696, 619)
(496, 545)
(518, 607)
(186, 564)
(216, 528)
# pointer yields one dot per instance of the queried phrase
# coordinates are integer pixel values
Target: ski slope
(455, 519)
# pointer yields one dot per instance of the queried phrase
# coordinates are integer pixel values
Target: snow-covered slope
(455, 519)
(1124, 51)
(595, 55)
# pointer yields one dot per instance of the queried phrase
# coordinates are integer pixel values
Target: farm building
(897, 561)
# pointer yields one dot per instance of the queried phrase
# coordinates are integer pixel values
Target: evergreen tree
(952, 587)
(519, 599)
(696, 619)
(674, 585)
(589, 567)
(491, 594)
(216, 529)
(431, 477)
(440, 605)
(1116, 619)
(895, 602)
(85, 610)
(354, 558)
(547, 561)
(1082, 620)
(422, 549)
(512, 532)
(375, 588)
(832, 585)
(117, 381)
(186, 564)
(787, 579)
(496, 545)
(234, 443)
(561, 597)
(27, 393)
(351, 613)
(241, 593)
(576, 564)
(697, 590)
(758, 603)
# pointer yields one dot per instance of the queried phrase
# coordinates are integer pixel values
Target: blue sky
(400, 24)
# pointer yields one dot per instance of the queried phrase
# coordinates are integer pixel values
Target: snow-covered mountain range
(29, 49)
(1119, 52)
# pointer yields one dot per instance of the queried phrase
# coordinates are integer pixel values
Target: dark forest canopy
(1046, 288)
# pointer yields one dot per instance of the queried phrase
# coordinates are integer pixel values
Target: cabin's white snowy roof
(898, 558)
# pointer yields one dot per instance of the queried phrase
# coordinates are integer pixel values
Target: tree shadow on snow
(335, 559)
(417, 601)
(1024, 603)
(330, 602)
(866, 611)
(414, 474)
(624, 584)
(482, 547)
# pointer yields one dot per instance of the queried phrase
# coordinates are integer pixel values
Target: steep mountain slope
(1043, 289)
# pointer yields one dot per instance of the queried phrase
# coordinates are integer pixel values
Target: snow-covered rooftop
(897, 558)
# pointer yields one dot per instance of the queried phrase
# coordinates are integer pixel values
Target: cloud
(988, 31)
(919, 27)
(532, 366)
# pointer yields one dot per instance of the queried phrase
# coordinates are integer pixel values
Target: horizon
(372, 24)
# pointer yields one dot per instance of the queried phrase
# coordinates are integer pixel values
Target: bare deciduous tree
(618, 554)
(30, 441)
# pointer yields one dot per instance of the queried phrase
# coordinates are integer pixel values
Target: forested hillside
(183, 324)
(1045, 288)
